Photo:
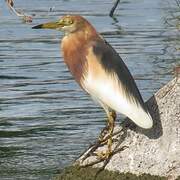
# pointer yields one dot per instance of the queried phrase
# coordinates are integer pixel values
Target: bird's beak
(50, 25)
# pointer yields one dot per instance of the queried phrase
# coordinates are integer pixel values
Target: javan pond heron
(100, 71)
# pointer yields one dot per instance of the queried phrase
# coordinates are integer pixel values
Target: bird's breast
(74, 56)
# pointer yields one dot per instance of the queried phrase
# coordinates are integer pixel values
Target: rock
(155, 151)
(89, 173)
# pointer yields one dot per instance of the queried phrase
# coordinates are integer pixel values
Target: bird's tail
(141, 117)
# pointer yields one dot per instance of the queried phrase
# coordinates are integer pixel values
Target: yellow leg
(105, 131)
(111, 119)
(103, 134)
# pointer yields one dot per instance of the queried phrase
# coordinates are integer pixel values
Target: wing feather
(109, 80)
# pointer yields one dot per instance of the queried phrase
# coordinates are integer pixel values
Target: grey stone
(155, 151)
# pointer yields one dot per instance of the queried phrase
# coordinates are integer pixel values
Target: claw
(103, 154)
(108, 152)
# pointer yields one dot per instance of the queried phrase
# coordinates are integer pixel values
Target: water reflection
(45, 119)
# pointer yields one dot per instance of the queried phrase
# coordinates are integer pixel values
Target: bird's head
(68, 24)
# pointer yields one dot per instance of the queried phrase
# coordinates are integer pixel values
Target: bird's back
(109, 80)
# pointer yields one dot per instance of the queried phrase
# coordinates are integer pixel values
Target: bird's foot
(108, 152)
(102, 155)
(93, 148)
(98, 144)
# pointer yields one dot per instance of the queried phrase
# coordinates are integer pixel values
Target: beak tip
(37, 27)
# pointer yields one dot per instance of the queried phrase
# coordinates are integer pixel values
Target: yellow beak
(49, 25)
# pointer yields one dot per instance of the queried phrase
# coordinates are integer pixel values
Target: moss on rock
(89, 173)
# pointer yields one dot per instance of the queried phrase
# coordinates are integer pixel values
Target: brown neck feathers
(74, 47)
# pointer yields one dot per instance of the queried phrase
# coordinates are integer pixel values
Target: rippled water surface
(46, 121)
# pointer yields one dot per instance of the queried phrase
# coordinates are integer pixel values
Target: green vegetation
(89, 173)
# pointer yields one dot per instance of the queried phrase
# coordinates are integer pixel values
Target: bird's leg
(111, 119)
(103, 134)
(104, 137)
(105, 131)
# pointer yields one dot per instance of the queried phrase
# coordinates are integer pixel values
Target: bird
(100, 71)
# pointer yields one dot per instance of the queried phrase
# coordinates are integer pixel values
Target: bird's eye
(69, 21)
(66, 21)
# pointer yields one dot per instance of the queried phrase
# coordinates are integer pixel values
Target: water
(46, 121)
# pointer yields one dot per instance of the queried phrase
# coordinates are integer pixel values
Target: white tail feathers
(141, 118)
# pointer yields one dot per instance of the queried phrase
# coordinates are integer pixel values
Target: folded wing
(108, 79)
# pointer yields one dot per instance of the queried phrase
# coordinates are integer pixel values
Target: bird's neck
(82, 36)
(74, 47)
(73, 43)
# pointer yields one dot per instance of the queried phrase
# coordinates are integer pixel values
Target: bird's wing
(108, 79)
